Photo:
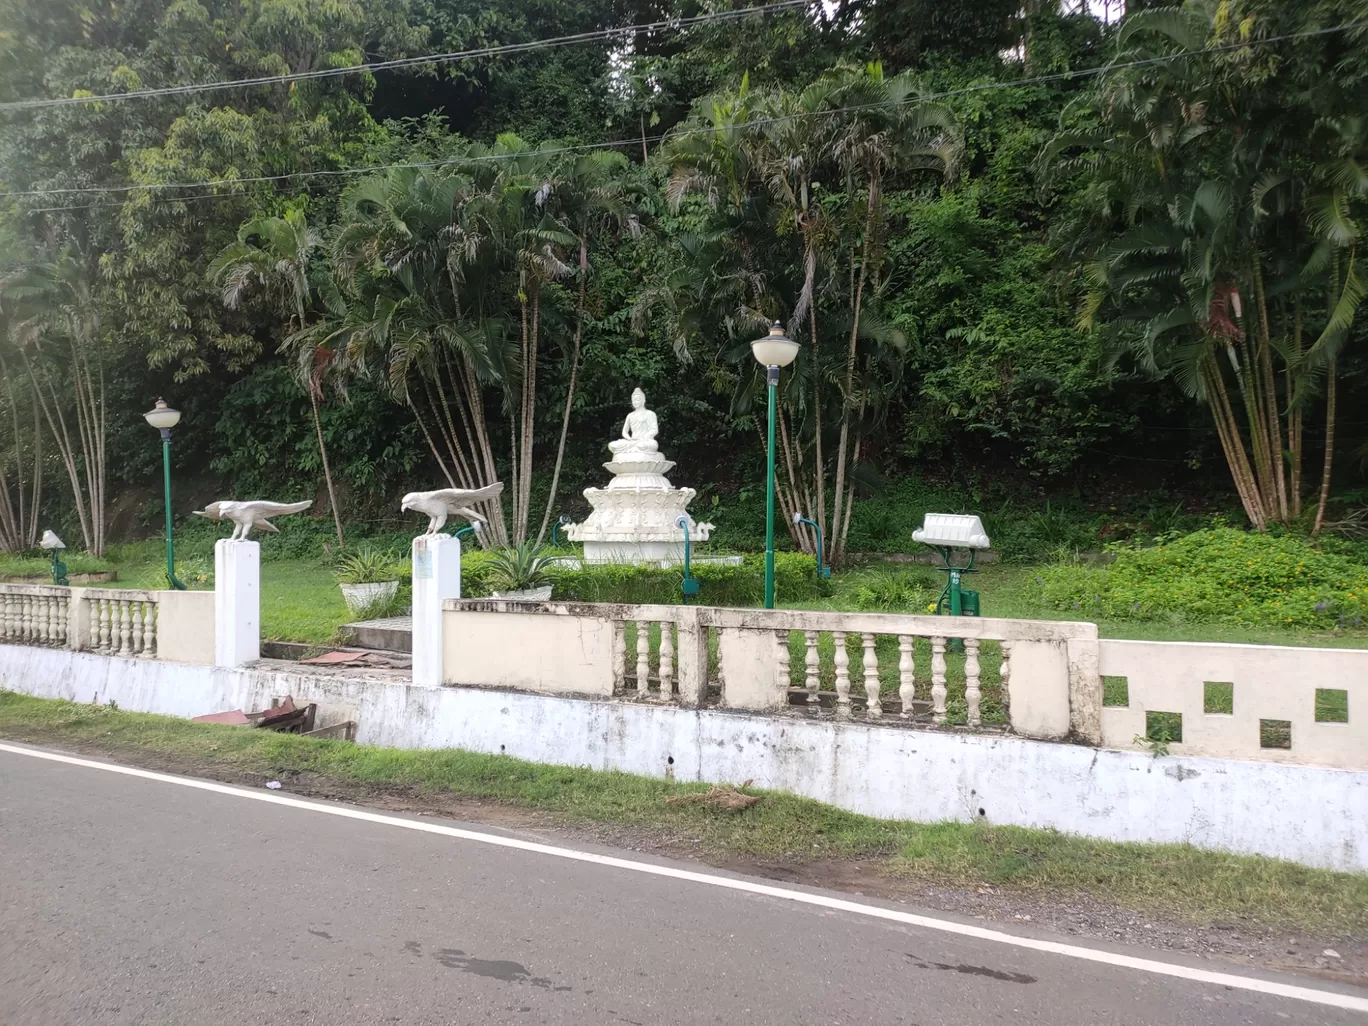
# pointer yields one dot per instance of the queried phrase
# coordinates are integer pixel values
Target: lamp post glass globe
(162, 417)
(773, 351)
(776, 349)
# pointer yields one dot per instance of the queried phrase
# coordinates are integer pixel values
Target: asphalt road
(136, 901)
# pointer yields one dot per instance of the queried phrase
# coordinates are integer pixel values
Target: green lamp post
(164, 418)
(772, 352)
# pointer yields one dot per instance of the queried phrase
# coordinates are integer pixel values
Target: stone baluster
(106, 635)
(57, 620)
(666, 661)
(812, 666)
(782, 672)
(30, 635)
(6, 616)
(43, 626)
(62, 620)
(842, 676)
(938, 680)
(972, 692)
(125, 629)
(149, 650)
(907, 674)
(871, 678)
(643, 664)
(1004, 675)
(137, 627)
(620, 654)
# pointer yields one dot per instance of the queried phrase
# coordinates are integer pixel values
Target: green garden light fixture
(689, 586)
(164, 418)
(471, 528)
(823, 571)
(772, 352)
(561, 521)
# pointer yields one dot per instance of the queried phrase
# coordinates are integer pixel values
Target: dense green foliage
(1219, 575)
(568, 221)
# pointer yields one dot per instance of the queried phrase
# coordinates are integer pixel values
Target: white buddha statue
(638, 441)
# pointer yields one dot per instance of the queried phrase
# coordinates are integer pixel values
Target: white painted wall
(1270, 682)
(1313, 815)
(185, 626)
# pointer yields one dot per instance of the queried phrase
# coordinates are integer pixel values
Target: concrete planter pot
(542, 594)
(360, 597)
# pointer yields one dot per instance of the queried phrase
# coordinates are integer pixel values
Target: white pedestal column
(237, 602)
(436, 578)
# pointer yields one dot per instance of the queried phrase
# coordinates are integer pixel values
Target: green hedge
(795, 580)
(1219, 575)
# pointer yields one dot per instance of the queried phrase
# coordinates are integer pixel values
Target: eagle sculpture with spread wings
(247, 515)
(448, 502)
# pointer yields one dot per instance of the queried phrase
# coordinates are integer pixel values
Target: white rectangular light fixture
(952, 530)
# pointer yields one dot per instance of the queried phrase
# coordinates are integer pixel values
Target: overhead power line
(399, 63)
(634, 141)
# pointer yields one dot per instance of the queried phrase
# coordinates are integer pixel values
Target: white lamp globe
(162, 416)
(776, 349)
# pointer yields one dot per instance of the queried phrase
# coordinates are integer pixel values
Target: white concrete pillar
(237, 602)
(436, 578)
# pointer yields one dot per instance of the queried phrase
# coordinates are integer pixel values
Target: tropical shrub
(1219, 575)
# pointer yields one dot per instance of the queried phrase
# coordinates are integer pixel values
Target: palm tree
(1205, 231)
(276, 256)
(883, 127)
(57, 337)
(591, 196)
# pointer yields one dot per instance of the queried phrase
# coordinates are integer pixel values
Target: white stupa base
(636, 553)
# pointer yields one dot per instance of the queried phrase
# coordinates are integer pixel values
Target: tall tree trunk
(1227, 430)
(843, 444)
(327, 470)
(1330, 390)
(1272, 419)
(570, 392)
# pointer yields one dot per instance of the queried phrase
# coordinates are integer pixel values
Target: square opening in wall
(1275, 733)
(1332, 705)
(1218, 697)
(1115, 690)
(1164, 727)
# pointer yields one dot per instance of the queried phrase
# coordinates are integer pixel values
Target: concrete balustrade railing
(34, 614)
(126, 622)
(769, 660)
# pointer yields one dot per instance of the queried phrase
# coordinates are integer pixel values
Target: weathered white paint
(436, 578)
(1054, 664)
(1269, 682)
(1314, 815)
(185, 626)
(558, 655)
(237, 602)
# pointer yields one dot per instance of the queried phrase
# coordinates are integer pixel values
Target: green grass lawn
(1157, 879)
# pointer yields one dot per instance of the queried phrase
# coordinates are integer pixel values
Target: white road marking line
(1320, 997)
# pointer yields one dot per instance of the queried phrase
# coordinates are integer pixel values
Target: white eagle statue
(247, 515)
(447, 502)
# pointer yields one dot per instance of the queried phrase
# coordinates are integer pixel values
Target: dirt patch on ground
(1340, 958)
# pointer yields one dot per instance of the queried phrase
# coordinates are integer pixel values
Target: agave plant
(520, 567)
(367, 566)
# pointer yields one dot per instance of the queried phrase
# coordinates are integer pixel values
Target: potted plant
(521, 573)
(368, 579)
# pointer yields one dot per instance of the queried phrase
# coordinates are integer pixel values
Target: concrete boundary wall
(1266, 702)
(1316, 816)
